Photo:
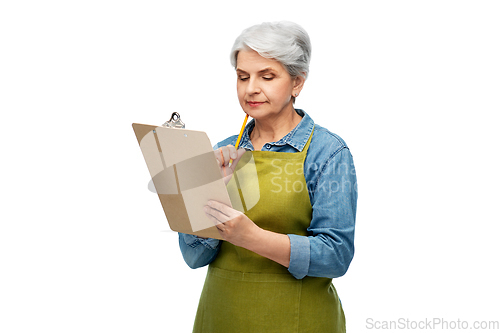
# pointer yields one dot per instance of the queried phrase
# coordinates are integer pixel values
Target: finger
(226, 154)
(214, 220)
(216, 215)
(225, 210)
(221, 156)
(233, 154)
(218, 225)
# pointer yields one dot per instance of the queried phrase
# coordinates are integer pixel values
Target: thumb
(240, 152)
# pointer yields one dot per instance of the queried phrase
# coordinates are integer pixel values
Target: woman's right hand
(223, 156)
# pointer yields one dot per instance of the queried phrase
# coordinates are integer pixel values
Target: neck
(273, 128)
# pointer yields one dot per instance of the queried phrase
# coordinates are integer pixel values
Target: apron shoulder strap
(306, 147)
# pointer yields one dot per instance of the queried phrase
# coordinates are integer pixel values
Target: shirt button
(268, 146)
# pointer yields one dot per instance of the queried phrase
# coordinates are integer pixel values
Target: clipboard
(185, 174)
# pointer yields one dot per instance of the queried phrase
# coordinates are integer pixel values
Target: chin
(256, 114)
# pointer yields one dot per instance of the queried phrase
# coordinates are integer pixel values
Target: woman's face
(264, 86)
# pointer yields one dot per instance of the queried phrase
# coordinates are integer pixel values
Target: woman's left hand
(234, 226)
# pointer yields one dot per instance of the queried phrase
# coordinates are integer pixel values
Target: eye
(268, 78)
(242, 78)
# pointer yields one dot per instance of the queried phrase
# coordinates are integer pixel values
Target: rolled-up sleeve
(329, 249)
(198, 252)
(300, 255)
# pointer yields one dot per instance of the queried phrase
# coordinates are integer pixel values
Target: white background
(412, 86)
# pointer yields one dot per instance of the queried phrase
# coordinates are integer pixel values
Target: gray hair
(286, 42)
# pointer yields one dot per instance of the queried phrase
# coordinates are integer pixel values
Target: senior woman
(273, 271)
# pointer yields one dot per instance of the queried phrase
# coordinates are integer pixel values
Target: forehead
(250, 61)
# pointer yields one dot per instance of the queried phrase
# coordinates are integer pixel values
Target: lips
(254, 103)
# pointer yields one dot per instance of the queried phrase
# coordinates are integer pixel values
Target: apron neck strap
(306, 147)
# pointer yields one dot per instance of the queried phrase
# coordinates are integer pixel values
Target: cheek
(240, 90)
(283, 89)
(281, 93)
(241, 94)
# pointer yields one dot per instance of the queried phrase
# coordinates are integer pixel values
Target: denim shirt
(329, 171)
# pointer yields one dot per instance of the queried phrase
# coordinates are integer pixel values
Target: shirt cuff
(194, 241)
(300, 256)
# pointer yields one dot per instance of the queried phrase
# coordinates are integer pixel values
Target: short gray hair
(284, 41)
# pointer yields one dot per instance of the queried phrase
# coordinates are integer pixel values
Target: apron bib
(247, 293)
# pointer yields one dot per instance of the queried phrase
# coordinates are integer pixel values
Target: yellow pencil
(239, 138)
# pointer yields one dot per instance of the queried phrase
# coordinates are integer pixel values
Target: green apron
(245, 292)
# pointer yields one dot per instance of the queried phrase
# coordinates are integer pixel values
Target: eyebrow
(263, 71)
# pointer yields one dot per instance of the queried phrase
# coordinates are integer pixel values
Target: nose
(252, 87)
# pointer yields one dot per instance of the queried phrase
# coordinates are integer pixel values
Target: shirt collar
(296, 138)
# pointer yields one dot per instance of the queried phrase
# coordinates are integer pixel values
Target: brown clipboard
(185, 174)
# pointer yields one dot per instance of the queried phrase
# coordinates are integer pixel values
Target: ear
(298, 84)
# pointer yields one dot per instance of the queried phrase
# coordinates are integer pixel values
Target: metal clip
(174, 122)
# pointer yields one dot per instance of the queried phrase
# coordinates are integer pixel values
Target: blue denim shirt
(329, 171)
